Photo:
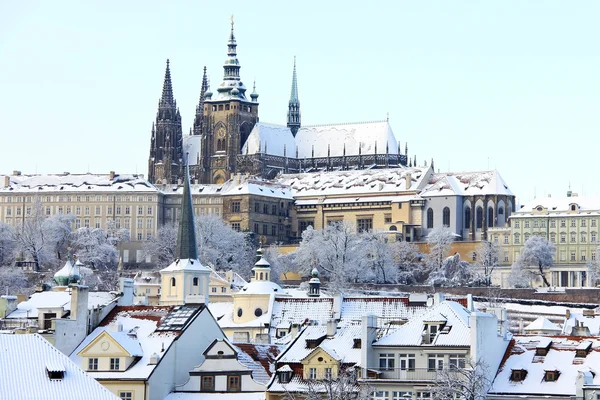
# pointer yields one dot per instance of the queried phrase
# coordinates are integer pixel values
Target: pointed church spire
(231, 86)
(294, 105)
(186, 235)
(204, 87)
(199, 118)
(167, 93)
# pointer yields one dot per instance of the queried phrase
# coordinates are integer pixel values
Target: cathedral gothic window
(429, 218)
(446, 217)
(468, 218)
(490, 221)
(479, 217)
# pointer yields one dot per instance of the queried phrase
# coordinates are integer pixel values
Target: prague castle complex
(227, 137)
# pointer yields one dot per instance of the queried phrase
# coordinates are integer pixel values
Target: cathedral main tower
(228, 119)
(165, 164)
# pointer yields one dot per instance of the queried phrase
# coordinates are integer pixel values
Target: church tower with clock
(228, 117)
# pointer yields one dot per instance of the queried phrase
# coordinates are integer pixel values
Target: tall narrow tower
(166, 146)
(293, 117)
(229, 117)
(199, 119)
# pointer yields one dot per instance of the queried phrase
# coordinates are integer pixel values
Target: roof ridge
(345, 123)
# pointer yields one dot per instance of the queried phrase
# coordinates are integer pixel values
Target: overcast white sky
(511, 85)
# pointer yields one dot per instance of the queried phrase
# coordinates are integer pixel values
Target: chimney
(408, 180)
(338, 299)
(6, 181)
(367, 337)
(438, 298)
(120, 327)
(9, 303)
(331, 328)
(112, 175)
(294, 331)
(568, 314)
(16, 173)
(154, 358)
(126, 288)
(79, 302)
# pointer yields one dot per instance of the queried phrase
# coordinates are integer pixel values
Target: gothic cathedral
(222, 124)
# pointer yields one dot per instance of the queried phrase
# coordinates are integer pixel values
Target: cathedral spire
(199, 118)
(167, 92)
(293, 120)
(186, 234)
(231, 87)
(204, 87)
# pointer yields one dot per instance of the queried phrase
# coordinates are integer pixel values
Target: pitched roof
(29, 308)
(560, 357)
(77, 183)
(260, 358)
(371, 137)
(24, 363)
(410, 334)
(466, 184)
(543, 324)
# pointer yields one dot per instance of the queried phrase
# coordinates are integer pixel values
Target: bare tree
(116, 235)
(8, 245)
(468, 382)
(518, 276)
(407, 257)
(439, 241)
(378, 259)
(538, 252)
(487, 260)
(335, 251)
(162, 246)
(593, 267)
(14, 281)
(94, 248)
(454, 272)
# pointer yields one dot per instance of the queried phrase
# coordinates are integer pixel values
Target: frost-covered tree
(281, 264)
(469, 382)
(344, 387)
(335, 251)
(8, 245)
(487, 260)
(221, 246)
(519, 277)
(94, 248)
(59, 230)
(439, 241)
(593, 267)
(162, 246)
(36, 236)
(538, 252)
(378, 259)
(407, 257)
(116, 235)
(453, 272)
(100, 280)
(14, 281)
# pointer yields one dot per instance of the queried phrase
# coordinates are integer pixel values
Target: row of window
(583, 237)
(234, 383)
(406, 362)
(385, 395)
(69, 198)
(126, 210)
(541, 223)
(93, 364)
(265, 229)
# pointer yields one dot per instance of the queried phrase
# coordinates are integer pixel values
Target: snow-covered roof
(216, 396)
(341, 346)
(322, 140)
(560, 206)
(186, 264)
(260, 358)
(375, 182)
(77, 183)
(590, 322)
(410, 334)
(466, 184)
(560, 357)
(29, 308)
(387, 309)
(24, 363)
(147, 278)
(261, 287)
(156, 327)
(543, 324)
(241, 185)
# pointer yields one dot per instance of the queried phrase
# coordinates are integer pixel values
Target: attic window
(583, 349)
(573, 207)
(543, 348)
(285, 376)
(551, 376)
(357, 343)
(518, 375)
(56, 375)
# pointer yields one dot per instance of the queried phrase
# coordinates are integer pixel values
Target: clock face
(221, 132)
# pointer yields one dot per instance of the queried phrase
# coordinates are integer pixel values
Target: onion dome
(69, 273)
(235, 92)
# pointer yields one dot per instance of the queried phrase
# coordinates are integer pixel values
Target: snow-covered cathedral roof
(466, 184)
(371, 137)
(372, 182)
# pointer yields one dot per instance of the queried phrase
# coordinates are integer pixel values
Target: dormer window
(573, 207)
(551, 376)
(284, 374)
(542, 348)
(56, 375)
(583, 349)
(518, 375)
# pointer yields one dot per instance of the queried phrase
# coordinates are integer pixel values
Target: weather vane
(231, 21)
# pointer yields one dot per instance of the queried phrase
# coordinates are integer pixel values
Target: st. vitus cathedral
(227, 137)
